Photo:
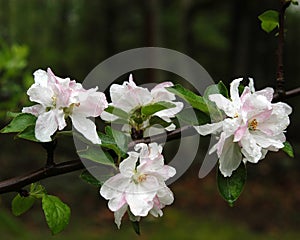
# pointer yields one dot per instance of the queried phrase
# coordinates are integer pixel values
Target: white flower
(140, 185)
(253, 126)
(60, 98)
(130, 98)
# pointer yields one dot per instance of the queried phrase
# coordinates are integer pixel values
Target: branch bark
(17, 183)
(280, 89)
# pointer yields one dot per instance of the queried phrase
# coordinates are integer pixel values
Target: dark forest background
(225, 37)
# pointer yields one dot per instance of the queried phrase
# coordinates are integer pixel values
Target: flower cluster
(252, 126)
(131, 98)
(140, 186)
(60, 98)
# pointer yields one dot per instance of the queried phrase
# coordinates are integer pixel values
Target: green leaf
(19, 123)
(193, 116)
(117, 112)
(21, 204)
(120, 139)
(89, 178)
(295, 2)
(96, 154)
(115, 140)
(219, 88)
(56, 212)
(190, 97)
(37, 190)
(269, 20)
(214, 113)
(156, 107)
(288, 149)
(231, 187)
(12, 114)
(155, 120)
(134, 222)
(28, 134)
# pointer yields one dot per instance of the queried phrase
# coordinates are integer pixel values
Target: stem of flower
(50, 147)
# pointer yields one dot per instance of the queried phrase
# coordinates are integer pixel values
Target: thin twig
(280, 89)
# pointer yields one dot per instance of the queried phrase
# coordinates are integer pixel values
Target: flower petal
(209, 128)
(45, 126)
(86, 127)
(230, 158)
(234, 91)
(119, 214)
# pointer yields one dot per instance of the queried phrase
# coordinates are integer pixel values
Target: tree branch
(17, 183)
(280, 71)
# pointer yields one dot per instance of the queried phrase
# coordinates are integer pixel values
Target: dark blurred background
(73, 36)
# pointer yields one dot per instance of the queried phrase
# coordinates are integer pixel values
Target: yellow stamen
(253, 124)
(141, 178)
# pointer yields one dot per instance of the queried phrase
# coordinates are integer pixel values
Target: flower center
(54, 98)
(142, 178)
(253, 124)
(138, 178)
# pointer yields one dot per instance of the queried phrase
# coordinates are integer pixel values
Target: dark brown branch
(280, 70)
(288, 94)
(159, 138)
(17, 183)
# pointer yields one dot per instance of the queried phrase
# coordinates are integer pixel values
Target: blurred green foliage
(14, 78)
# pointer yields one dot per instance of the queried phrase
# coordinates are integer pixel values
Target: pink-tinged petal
(108, 117)
(170, 112)
(251, 85)
(278, 121)
(140, 196)
(35, 110)
(230, 158)
(239, 133)
(159, 93)
(127, 166)
(267, 93)
(220, 144)
(60, 118)
(42, 95)
(86, 127)
(234, 91)
(130, 98)
(131, 83)
(91, 103)
(230, 125)
(114, 186)
(265, 141)
(150, 151)
(263, 116)
(117, 202)
(119, 214)
(229, 107)
(45, 126)
(246, 93)
(41, 78)
(165, 196)
(209, 128)
(250, 149)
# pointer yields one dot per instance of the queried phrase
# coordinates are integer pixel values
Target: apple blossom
(140, 186)
(252, 126)
(131, 98)
(59, 98)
